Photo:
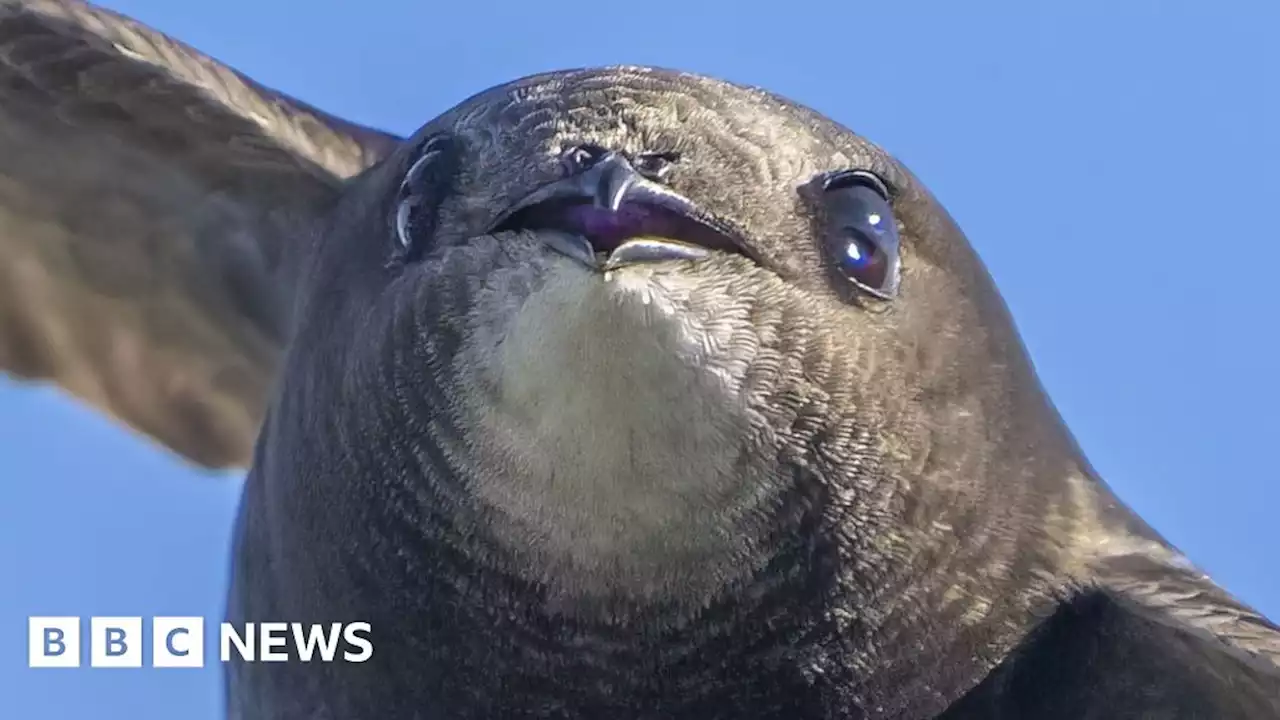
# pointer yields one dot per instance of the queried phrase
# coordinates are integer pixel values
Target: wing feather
(149, 197)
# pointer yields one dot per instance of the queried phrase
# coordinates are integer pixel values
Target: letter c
(168, 642)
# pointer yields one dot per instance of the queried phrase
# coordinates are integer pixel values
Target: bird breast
(613, 440)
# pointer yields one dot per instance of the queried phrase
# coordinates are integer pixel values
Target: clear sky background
(1115, 163)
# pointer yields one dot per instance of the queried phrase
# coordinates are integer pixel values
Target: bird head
(633, 330)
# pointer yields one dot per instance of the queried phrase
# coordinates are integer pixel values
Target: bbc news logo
(178, 642)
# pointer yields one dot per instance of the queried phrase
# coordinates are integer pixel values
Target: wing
(147, 197)
(1154, 639)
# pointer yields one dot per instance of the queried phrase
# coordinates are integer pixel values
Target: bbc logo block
(115, 642)
(177, 642)
(53, 642)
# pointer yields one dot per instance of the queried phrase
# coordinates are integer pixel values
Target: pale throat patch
(612, 436)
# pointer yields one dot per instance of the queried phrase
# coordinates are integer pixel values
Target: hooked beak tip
(609, 180)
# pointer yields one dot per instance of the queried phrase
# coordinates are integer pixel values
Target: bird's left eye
(860, 233)
(420, 192)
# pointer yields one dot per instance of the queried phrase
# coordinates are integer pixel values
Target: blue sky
(1114, 164)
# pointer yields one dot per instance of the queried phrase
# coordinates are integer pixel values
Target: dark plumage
(797, 466)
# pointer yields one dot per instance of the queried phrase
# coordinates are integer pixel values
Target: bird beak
(606, 183)
(669, 226)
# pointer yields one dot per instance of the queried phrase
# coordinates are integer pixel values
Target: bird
(610, 392)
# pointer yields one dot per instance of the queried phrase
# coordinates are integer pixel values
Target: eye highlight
(860, 232)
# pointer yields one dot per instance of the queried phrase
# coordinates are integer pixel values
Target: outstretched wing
(1155, 639)
(147, 198)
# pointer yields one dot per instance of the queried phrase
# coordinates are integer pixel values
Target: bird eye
(860, 232)
(420, 191)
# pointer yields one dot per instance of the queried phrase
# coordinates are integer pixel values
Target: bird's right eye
(861, 232)
(425, 181)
